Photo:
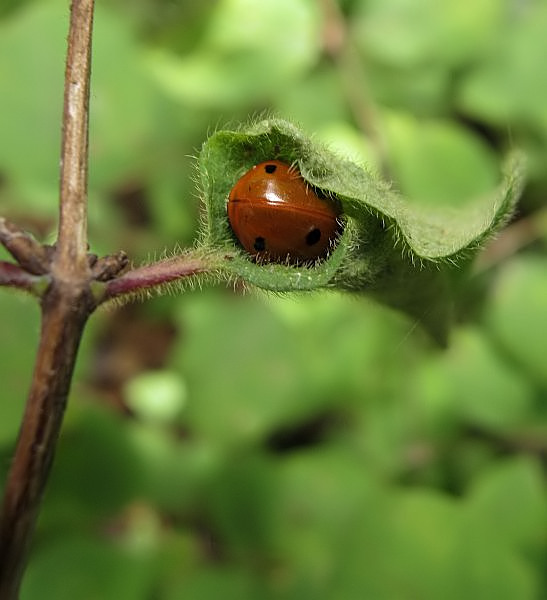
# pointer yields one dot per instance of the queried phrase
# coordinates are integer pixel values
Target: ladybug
(277, 217)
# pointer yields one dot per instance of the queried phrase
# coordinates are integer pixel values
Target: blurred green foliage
(317, 446)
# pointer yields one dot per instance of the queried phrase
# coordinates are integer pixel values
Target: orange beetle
(277, 217)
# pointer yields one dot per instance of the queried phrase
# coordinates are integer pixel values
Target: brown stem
(72, 239)
(64, 316)
(66, 305)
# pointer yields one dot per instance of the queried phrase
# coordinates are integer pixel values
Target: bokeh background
(318, 447)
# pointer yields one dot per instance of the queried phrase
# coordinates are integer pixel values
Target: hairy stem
(157, 274)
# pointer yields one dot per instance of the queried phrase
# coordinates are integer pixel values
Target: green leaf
(242, 504)
(410, 32)
(212, 581)
(510, 501)
(87, 569)
(518, 315)
(470, 382)
(101, 477)
(275, 378)
(32, 44)
(510, 85)
(401, 253)
(424, 155)
(250, 50)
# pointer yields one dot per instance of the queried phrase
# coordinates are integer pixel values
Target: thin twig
(30, 254)
(512, 239)
(355, 86)
(158, 274)
(14, 276)
(66, 306)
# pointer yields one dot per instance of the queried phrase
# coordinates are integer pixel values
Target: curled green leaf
(399, 252)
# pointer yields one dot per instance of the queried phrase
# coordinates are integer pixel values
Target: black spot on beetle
(260, 244)
(313, 236)
(270, 168)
